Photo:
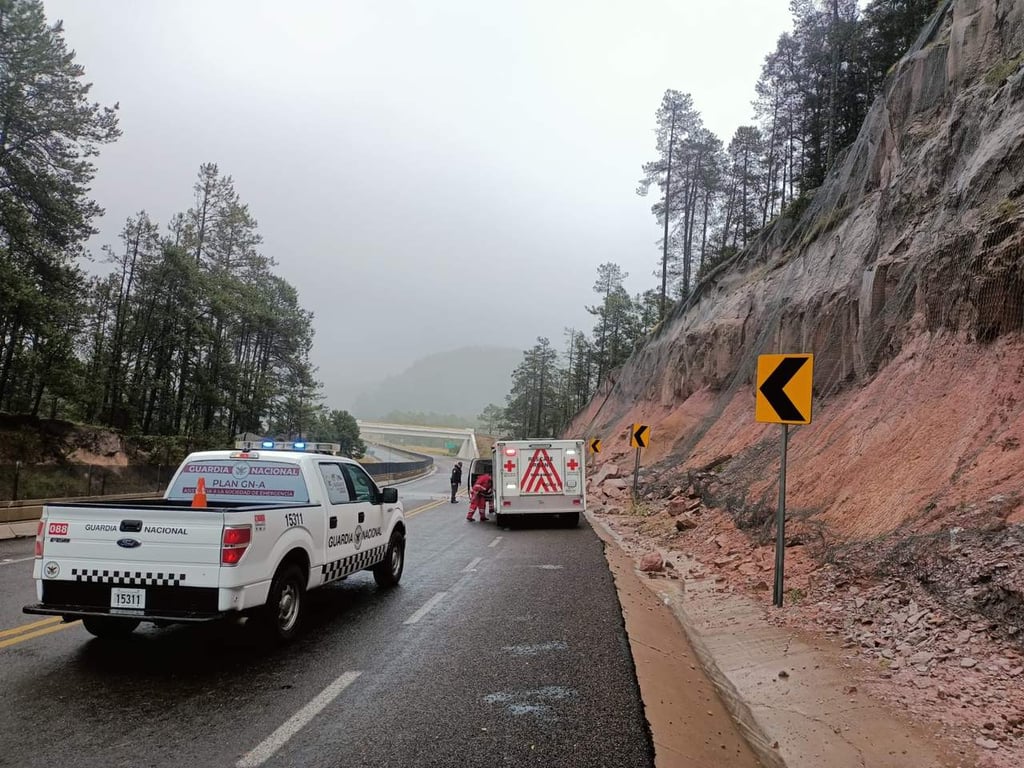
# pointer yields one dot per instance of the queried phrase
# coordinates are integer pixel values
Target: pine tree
(677, 123)
(49, 133)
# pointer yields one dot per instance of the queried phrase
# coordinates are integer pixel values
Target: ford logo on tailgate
(129, 543)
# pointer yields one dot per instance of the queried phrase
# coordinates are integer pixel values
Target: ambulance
(539, 477)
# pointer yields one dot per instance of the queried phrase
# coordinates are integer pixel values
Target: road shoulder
(790, 694)
(689, 723)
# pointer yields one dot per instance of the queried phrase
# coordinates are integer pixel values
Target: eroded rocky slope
(905, 277)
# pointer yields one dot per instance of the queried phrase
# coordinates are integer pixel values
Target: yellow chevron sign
(640, 436)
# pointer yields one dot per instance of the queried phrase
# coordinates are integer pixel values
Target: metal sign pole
(636, 472)
(780, 523)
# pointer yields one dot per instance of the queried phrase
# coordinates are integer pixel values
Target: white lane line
(296, 722)
(426, 608)
(495, 542)
(9, 561)
(472, 565)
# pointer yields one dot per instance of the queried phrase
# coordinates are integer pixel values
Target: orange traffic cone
(199, 499)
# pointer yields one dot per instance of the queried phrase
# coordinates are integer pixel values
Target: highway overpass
(407, 434)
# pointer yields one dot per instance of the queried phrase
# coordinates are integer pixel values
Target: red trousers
(480, 503)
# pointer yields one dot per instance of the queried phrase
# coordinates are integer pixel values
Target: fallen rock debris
(932, 625)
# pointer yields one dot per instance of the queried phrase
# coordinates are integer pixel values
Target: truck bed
(151, 504)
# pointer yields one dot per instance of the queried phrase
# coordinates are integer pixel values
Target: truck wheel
(571, 520)
(388, 572)
(107, 628)
(285, 601)
(501, 520)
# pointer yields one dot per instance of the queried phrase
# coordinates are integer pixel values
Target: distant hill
(460, 382)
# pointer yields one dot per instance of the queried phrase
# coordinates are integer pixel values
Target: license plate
(127, 598)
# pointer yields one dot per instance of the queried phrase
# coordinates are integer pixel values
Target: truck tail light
(39, 538)
(577, 502)
(236, 541)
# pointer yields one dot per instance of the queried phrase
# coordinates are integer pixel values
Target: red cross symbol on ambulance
(572, 465)
(509, 466)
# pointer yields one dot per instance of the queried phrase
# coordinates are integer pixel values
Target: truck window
(242, 480)
(337, 488)
(363, 486)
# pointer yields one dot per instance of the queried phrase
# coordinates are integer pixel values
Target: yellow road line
(38, 633)
(428, 507)
(29, 627)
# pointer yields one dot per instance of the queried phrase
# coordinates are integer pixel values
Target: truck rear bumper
(78, 611)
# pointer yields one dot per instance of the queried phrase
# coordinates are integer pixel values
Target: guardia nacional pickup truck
(273, 525)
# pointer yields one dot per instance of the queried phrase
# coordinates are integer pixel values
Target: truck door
(342, 519)
(370, 543)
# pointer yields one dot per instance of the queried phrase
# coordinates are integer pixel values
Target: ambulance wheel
(388, 572)
(107, 628)
(285, 602)
(571, 520)
(501, 520)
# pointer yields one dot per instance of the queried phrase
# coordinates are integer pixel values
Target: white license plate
(127, 598)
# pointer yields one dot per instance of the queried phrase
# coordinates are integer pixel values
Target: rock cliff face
(905, 277)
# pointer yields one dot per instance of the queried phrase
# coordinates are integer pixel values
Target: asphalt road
(500, 647)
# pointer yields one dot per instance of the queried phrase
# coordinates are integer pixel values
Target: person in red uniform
(481, 496)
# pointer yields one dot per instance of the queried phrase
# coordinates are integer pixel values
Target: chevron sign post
(785, 384)
(639, 438)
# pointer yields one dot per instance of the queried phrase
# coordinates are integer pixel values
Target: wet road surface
(500, 647)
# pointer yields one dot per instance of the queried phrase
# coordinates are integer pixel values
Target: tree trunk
(668, 199)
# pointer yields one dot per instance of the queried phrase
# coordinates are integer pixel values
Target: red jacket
(483, 486)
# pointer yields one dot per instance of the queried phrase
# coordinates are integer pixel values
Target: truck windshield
(252, 481)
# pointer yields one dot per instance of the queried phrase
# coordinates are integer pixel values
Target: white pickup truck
(272, 525)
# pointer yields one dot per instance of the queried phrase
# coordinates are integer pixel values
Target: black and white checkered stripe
(357, 562)
(130, 578)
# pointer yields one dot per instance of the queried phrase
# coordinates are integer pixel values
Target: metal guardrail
(389, 471)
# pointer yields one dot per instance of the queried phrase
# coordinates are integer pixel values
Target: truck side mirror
(389, 495)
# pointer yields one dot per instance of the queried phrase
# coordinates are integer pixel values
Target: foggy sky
(430, 174)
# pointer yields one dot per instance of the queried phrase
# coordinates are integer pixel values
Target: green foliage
(490, 418)
(49, 133)
(1006, 209)
(796, 207)
(796, 595)
(814, 91)
(825, 223)
(190, 335)
(533, 408)
(709, 266)
(337, 426)
(1002, 71)
(166, 450)
(639, 507)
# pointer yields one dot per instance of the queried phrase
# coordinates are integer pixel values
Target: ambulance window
(337, 488)
(361, 482)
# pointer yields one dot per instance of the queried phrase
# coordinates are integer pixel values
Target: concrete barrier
(31, 509)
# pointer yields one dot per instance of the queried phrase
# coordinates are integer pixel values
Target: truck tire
(388, 572)
(109, 628)
(286, 600)
(501, 520)
(571, 520)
